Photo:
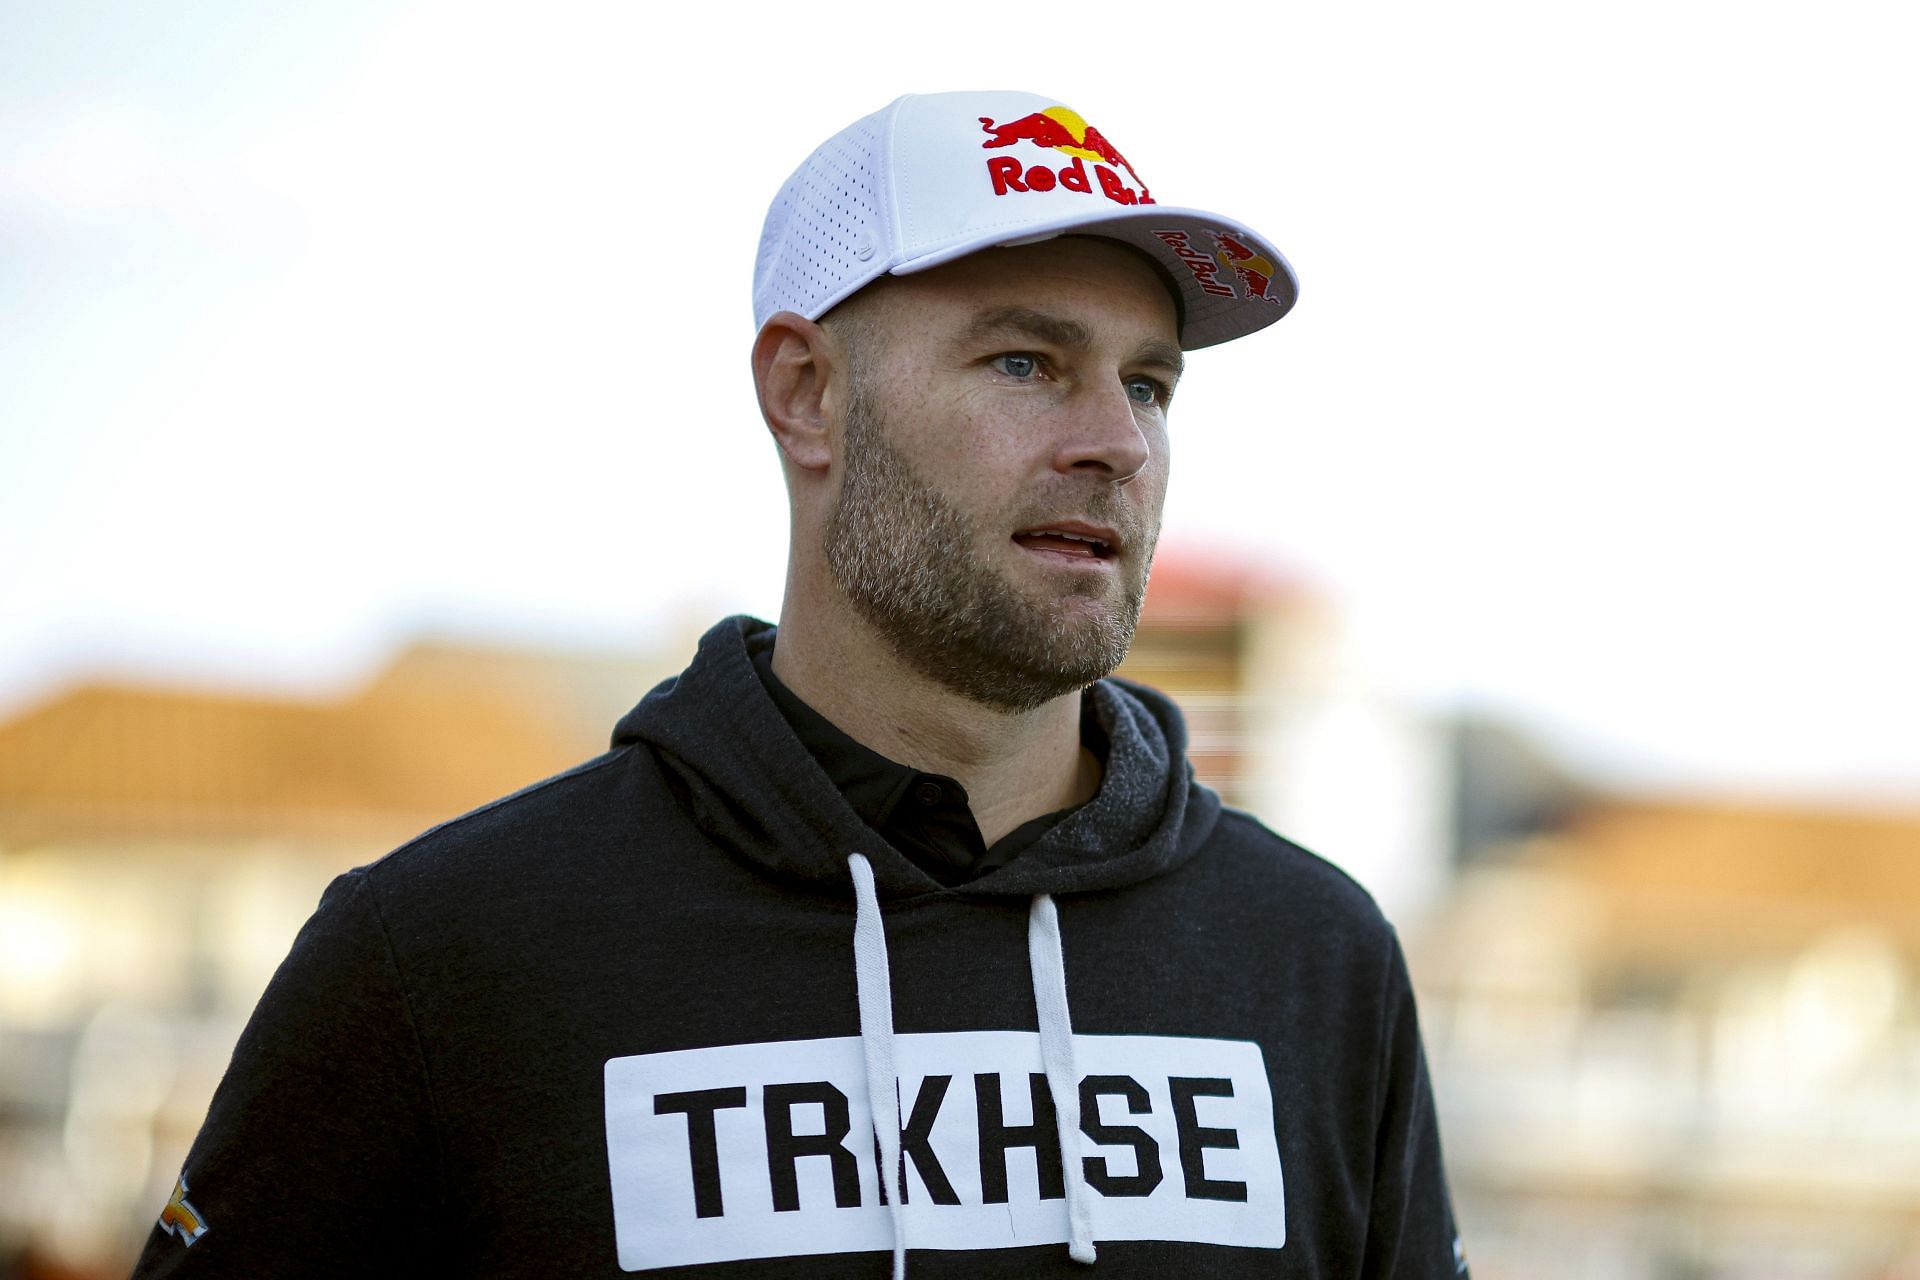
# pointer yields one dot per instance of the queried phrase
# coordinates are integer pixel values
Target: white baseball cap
(934, 177)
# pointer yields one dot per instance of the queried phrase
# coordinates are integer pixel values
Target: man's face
(1004, 458)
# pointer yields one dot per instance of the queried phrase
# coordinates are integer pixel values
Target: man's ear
(793, 363)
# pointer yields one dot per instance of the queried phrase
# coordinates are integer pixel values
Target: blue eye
(1020, 364)
(1145, 390)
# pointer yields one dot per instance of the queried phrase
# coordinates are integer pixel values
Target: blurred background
(375, 428)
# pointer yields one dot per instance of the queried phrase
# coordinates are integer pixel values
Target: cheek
(961, 447)
(1153, 483)
(1154, 499)
(1159, 457)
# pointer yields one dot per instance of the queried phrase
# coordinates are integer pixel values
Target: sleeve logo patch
(180, 1217)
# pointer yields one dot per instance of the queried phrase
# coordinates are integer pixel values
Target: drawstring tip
(1081, 1251)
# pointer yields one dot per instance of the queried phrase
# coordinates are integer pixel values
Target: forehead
(1110, 289)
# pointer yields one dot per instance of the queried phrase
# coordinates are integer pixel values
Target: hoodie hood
(754, 787)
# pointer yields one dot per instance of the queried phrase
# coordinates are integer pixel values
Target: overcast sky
(324, 325)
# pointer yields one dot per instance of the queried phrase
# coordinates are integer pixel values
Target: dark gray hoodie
(673, 1012)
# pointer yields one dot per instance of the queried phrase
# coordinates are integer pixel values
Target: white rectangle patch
(767, 1150)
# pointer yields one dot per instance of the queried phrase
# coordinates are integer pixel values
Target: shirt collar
(927, 816)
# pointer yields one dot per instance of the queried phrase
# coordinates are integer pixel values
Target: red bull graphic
(1233, 262)
(1256, 270)
(181, 1218)
(1061, 129)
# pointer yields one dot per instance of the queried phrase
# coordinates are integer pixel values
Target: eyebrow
(1060, 331)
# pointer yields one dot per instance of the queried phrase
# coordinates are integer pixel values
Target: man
(897, 936)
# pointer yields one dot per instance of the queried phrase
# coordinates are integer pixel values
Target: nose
(1102, 434)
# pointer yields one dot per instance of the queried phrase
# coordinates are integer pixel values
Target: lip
(1069, 559)
(1113, 548)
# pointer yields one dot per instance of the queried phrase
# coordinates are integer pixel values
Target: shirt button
(929, 793)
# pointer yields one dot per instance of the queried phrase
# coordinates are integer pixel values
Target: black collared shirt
(924, 815)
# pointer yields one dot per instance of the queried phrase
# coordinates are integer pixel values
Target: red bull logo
(1233, 263)
(1256, 270)
(1061, 129)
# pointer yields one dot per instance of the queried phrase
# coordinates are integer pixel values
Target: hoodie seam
(1382, 1034)
(413, 1028)
(945, 894)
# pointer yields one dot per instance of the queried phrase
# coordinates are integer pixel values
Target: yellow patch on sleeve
(181, 1218)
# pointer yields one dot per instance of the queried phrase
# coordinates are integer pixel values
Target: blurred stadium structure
(1670, 1038)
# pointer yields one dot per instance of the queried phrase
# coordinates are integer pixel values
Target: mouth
(1071, 540)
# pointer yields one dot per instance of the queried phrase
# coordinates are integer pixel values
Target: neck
(1015, 765)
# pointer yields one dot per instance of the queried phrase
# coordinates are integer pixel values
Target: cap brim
(1231, 280)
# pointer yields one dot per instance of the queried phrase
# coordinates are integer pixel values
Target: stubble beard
(908, 560)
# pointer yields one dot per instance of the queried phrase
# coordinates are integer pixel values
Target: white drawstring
(1056, 1053)
(873, 984)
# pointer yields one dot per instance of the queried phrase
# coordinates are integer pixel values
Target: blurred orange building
(158, 850)
(1681, 1037)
